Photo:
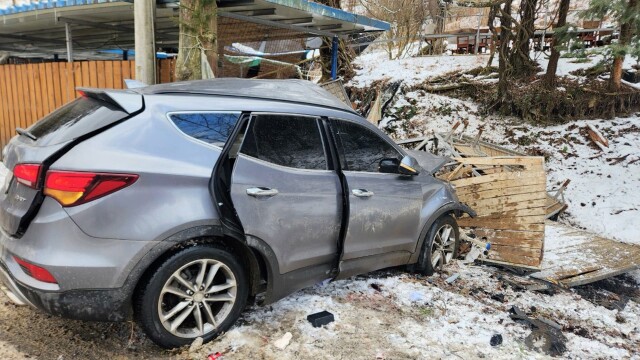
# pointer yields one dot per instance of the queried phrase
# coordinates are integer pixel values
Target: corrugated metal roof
(8, 7)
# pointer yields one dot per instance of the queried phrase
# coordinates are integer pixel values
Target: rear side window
(75, 119)
(292, 141)
(362, 148)
(212, 128)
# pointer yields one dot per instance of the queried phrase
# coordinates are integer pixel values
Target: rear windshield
(75, 119)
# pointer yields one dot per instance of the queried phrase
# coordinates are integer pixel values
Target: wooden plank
(101, 75)
(86, 75)
(507, 200)
(126, 71)
(490, 210)
(501, 184)
(502, 160)
(513, 259)
(498, 193)
(4, 109)
(64, 91)
(108, 74)
(504, 225)
(535, 244)
(507, 235)
(165, 72)
(15, 118)
(50, 90)
(35, 99)
(44, 90)
(488, 222)
(498, 177)
(70, 90)
(117, 75)
(57, 91)
(500, 214)
(93, 74)
(511, 250)
(77, 77)
(496, 262)
(132, 69)
(23, 99)
(598, 275)
(37, 91)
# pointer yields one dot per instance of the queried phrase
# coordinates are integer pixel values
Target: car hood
(429, 162)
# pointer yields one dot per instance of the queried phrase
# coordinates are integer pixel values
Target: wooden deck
(574, 257)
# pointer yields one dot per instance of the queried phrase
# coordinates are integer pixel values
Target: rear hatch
(48, 139)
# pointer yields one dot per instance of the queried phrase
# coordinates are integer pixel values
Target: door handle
(262, 192)
(362, 193)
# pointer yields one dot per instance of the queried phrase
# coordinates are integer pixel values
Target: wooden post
(144, 15)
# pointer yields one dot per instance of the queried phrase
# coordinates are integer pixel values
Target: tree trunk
(493, 12)
(520, 56)
(198, 33)
(504, 68)
(550, 76)
(626, 32)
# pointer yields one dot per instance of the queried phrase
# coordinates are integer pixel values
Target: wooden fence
(30, 91)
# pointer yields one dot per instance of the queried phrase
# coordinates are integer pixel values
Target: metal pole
(144, 14)
(67, 30)
(334, 58)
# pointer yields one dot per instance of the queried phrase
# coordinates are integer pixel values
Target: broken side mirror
(409, 166)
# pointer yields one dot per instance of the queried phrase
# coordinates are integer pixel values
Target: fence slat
(3, 104)
(57, 94)
(108, 74)
(117, 74)
(14, 98)
(44, 93)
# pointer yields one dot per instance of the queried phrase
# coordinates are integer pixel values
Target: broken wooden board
(575, 257)
(467, 146)
(336, 88)
(510, 204)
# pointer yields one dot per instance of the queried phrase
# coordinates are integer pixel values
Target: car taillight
(27, 174)
(35, 271)
(71, 188)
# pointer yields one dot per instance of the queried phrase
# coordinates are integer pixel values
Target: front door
(384, 209)
(284, 192)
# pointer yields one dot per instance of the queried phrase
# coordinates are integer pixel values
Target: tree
(521, 63)
(345, 53)
(625, 13)
(552, 68)
(198, 37)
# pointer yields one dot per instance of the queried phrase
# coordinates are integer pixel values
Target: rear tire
(440, 246)
(198, 292)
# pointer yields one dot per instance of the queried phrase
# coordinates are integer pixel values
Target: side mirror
(389, 166)
(409, 166)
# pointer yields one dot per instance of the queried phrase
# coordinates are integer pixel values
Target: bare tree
(198, 36)
(552, 67)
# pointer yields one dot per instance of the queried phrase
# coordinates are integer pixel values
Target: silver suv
(176, 204)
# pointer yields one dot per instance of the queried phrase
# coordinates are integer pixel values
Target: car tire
(200, 303)
(434, 255)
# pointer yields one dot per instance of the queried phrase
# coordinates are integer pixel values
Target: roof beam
(303, 20)
(276, 24)
(32, 39)
(93, 24)
(257, 12)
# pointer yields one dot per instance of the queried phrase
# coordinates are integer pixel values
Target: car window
(362, 149)
(212, 128)
(286, 140)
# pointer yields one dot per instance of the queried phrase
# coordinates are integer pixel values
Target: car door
(284, 191)
(384, 208)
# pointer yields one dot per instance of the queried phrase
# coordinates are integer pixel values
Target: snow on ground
(603, 196)
(413, 317)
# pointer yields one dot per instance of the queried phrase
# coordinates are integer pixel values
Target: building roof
(296, 91)
(37, 27)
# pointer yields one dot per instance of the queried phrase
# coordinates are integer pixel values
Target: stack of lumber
(509, 196)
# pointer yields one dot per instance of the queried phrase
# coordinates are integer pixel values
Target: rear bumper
(92, 305)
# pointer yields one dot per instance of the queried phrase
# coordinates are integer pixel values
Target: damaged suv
(175, 204)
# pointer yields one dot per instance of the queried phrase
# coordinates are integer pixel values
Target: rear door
(47, 139)
(384, 209)
(285, 191)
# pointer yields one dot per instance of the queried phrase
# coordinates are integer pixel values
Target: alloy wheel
(197, 298)
(443, 246)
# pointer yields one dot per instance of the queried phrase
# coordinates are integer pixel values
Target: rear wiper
(26, 133)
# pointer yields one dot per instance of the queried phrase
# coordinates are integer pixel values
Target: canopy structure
(42, 29)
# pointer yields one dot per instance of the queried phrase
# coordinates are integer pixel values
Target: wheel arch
(454, 208)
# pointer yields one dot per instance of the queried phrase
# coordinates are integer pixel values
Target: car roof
(295, 91)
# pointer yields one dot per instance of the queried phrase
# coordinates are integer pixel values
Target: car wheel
(197, 292)
(440, 246)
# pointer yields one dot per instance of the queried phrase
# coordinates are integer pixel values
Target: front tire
(198, 292)
(440, 246)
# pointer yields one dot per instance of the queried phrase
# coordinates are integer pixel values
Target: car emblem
(19, 198)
